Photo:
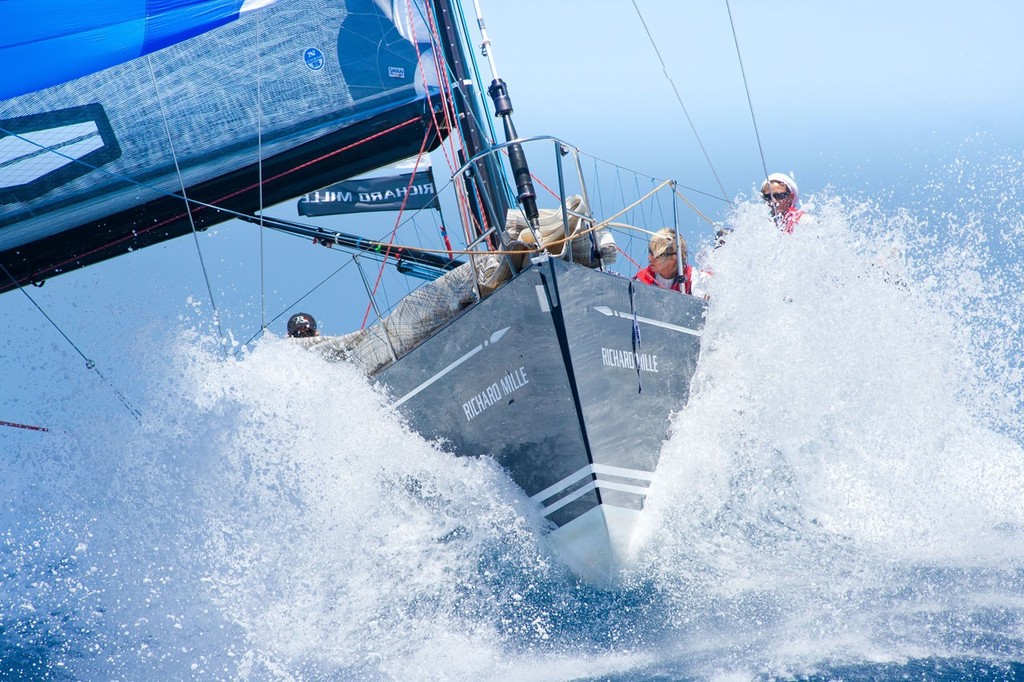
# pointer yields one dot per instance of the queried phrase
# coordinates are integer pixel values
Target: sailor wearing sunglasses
(781, 194)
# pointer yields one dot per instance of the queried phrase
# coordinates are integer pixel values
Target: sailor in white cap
(781, 193)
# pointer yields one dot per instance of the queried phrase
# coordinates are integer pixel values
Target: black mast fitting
(526, 194)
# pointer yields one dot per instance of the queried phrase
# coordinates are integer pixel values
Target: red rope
(446, 92)
(394, 230)
(23, 426)
(198, 208)
(620, 250)
(448, 146)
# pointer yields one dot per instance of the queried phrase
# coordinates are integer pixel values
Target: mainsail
(55, 41)
(282, 102)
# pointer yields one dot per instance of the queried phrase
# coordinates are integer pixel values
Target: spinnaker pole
(423, 264)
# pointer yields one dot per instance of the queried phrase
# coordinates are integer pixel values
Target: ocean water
(842, 499)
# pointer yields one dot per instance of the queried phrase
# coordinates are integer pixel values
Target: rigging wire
(694, 208)
(398, 222)
(464, 190)
(291, 305)
(440, 68)
(259, 171)
(485, 51)
(746, 88)
(184, 196)
(89, 364)
(631, 171)
(487, 124)
(448, 146)
(485, 40)
(679, 98)
(191, 205)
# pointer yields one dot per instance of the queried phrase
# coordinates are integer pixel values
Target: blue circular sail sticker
(314, 58)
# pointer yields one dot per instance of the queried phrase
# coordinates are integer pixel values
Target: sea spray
(339, 540)
(841, 471)
(272, 518)
(840, 496)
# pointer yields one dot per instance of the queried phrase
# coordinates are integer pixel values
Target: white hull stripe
(607, 485)
(494, 338)
(604, 310)
(542, 298)
(607, 470)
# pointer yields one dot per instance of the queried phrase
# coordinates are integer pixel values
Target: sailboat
(533, 350)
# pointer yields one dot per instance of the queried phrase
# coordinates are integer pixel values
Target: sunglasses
(777, 196)
(663, 255)
(303, 332)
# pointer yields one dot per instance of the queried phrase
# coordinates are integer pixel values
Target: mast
(488, 174)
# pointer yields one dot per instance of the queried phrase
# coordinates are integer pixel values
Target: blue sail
(54, 41)
(196, 133)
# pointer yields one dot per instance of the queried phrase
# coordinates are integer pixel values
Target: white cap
(785, 180)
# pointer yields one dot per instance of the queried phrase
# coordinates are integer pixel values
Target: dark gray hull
(541, 376)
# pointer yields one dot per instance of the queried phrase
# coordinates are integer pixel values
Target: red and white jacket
(788, 220)
(691, 283)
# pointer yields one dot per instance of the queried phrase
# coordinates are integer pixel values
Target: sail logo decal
(495, 392)
(627, 359)
(41, 152)
(388, 193)
(396, 72)
(492, 339)
(592, 477)
(604, 310)
(314, 58)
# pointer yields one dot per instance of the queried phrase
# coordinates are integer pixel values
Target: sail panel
(39, 35)
(277, 104)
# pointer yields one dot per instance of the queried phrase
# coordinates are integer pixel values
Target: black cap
(301, 324)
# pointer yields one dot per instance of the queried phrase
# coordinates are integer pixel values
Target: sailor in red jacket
(781, 194)
(666, 252)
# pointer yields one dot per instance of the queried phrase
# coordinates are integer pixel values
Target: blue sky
(844, 93)
(869, 98)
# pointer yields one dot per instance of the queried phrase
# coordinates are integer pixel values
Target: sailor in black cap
(301, 325)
